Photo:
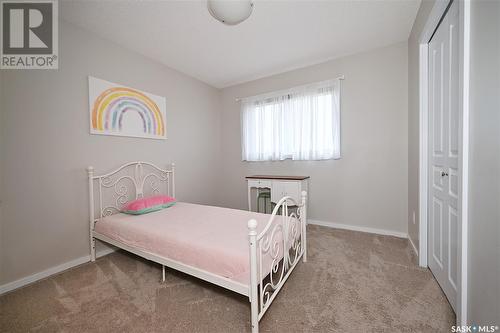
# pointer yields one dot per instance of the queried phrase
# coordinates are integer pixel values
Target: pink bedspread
(211, 238)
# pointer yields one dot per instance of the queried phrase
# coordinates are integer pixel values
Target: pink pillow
(148, 205)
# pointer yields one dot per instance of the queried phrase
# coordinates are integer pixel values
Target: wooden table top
(277, 177)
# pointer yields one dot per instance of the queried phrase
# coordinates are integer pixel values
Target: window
(299, 124)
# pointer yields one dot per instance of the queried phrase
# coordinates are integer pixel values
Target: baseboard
(51, 271)
(359, 228)
(413, 246)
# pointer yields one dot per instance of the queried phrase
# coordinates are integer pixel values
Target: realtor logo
(29, 36)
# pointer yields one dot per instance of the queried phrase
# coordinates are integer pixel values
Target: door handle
(443, 174)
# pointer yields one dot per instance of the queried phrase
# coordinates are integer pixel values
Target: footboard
(274, 253)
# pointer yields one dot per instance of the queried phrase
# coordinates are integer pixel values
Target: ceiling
(279, 35)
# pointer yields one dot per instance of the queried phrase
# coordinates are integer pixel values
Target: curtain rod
(340, 77)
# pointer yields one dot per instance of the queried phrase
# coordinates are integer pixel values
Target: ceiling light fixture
(230, 12)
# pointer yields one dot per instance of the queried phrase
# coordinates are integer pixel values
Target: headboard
(108, 193)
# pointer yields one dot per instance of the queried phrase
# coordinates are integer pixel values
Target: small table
(280, 186)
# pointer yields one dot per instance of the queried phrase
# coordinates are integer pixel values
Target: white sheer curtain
(302, 123)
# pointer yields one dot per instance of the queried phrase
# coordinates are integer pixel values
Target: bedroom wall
(367, 187)
(1, 175)
(484, 164)
(47, 146)
(413, 119)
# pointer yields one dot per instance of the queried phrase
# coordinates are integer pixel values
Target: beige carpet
(353, 282)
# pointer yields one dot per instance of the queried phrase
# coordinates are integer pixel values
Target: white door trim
(432, 22)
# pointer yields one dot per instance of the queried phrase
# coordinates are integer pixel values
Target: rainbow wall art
(123, 111)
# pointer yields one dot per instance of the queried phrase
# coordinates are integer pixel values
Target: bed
(249, 253)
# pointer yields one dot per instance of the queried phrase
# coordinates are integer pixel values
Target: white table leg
(257, 191)
(249, 198)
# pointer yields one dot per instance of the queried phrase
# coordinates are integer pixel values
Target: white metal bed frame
(283, 239)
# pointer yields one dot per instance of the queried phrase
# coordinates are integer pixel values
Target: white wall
(2, 140)
(368, 186)
(413, 119)
(46, 146)
(484, 163)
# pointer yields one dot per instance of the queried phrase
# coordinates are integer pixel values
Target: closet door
(444, 154)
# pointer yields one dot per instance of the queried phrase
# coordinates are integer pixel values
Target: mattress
(213, 239)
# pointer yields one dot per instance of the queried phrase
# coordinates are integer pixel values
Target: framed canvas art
(119, 110)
